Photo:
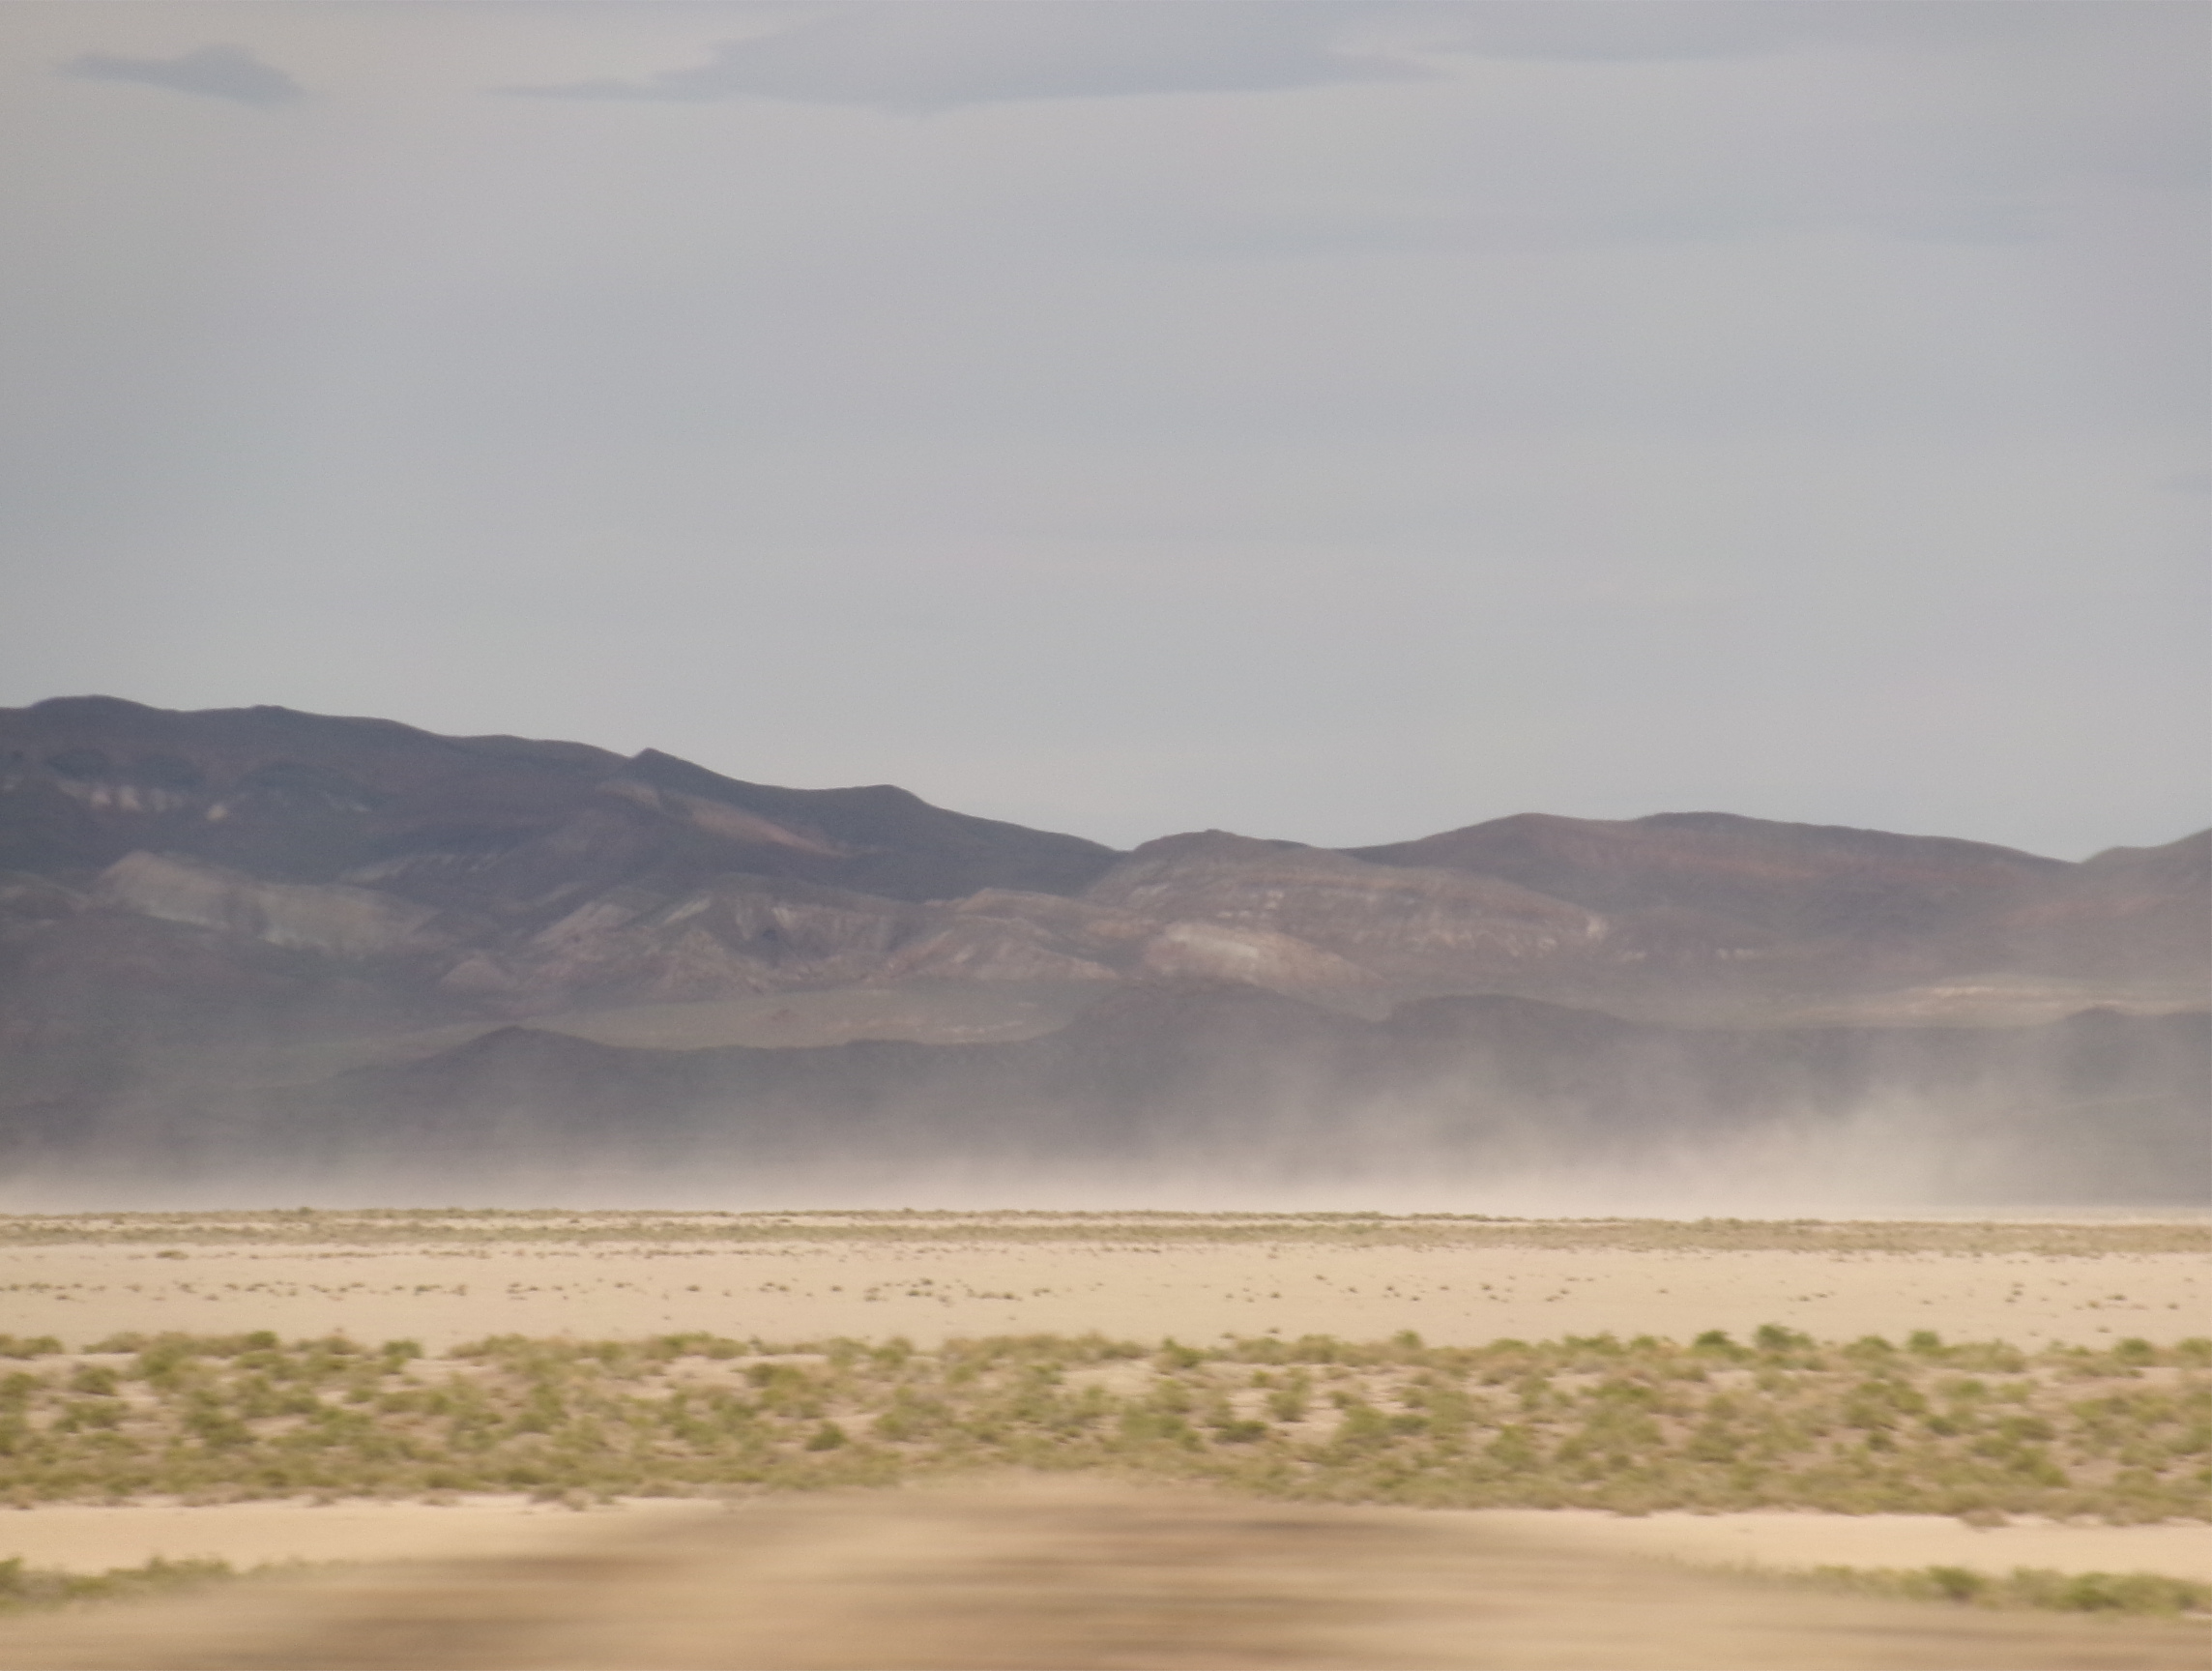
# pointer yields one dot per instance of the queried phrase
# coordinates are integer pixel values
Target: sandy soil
(1082, 1572)
(1064, 1575)
(928, 1291)
(1788, 1542)
(84, 1539)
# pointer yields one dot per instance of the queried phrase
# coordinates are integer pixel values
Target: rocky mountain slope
(204, 912)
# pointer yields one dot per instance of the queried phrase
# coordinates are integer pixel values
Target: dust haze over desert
(263, 958)
(1425, 758)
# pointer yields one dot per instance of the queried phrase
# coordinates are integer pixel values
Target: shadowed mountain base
(1221, 1086)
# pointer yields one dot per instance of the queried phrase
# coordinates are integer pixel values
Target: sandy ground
(1195, 1292)
(1068, 1573)
(92, 1539)
(83, 1538)
(1083, 1572)
(1789, 1541)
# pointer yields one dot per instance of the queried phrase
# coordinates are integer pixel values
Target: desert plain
(441, 1278)
(1010, 1563)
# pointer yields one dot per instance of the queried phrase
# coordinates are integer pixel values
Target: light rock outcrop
(1259, 958)
(330, 918)
(1404, 925)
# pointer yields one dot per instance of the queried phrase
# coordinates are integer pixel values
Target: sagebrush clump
(24, 1587)
(2038, 1587)
(1779, 1421)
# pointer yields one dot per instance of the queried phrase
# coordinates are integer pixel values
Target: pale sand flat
(81, 1539)
(1193, 1291)
(1065, 1575)
(1788, 1540)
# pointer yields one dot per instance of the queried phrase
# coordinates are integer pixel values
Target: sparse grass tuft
(23, 1588)
(2136, 1593)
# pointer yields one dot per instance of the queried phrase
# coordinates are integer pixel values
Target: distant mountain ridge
(305, 798)
(196, 906)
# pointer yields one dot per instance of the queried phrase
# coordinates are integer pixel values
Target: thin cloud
(216, 72)
(909, 57)
(912, 56)
(1609, 31)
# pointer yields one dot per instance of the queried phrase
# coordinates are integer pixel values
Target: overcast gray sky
(1339, 421)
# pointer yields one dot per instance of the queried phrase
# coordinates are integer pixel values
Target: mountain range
(261, 943)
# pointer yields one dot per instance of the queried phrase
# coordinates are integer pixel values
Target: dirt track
(1056, 1574)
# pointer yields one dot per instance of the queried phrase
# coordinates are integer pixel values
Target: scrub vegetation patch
(1779, 1421)
(2039, 1587)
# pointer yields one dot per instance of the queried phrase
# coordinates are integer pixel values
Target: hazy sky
(1331, 421)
